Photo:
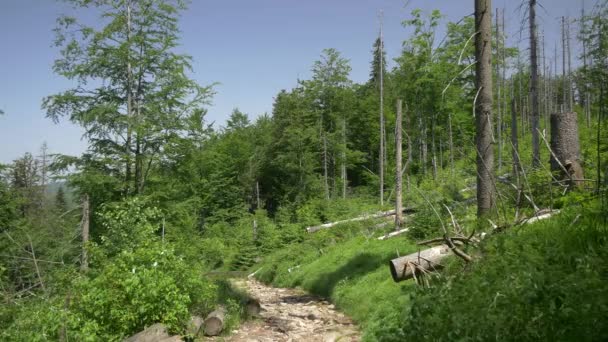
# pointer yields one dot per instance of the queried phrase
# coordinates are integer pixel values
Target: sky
(251, 48)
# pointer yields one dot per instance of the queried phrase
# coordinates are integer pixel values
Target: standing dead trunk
(84, 228)
(450, 141)
(498, 92)
(565, 145)
(514, 141)
(534, 86)
(570, 91)
(398, 174)
(325, 171)
(381, 154)
(343, 166)
(483, 107)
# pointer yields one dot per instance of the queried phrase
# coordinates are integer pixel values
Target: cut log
(428, 259)
(153, 333)
(253, 308)
(380, 214)
(395, 233)
(194, 326)
(214, 323)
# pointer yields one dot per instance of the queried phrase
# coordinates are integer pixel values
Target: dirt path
(292, 315)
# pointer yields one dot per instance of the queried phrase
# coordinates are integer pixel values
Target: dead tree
(398, 174)
(534, 85)
(483, 106)
(84, 226)
(565, 147)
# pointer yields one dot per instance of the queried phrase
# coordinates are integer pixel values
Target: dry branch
(313, 229)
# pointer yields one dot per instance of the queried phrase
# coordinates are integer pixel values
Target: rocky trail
(291, 315)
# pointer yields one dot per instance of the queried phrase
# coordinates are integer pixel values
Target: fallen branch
(395, 233)
(313, 229)
(421, 262)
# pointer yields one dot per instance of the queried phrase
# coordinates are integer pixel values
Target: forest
(461, 194)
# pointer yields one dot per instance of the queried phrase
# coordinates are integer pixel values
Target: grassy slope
(542, 281)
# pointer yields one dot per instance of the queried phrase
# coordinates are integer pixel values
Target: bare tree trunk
(410, 158)
(514, 141)
(565, 145)
(483, 107)
(450, 141)
(84, 227)
(564, 76)
(585, 94)
(129, 100)
(382, 132)
(257, 194)
(325, 171)
(498, 91)
(398, 177)
(570, 92)
(343, 166)
(534, 86)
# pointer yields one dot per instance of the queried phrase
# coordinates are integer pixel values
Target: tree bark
(483, 107)
(382, 138)
(398, 174)
(84, 263)
(514, 141)
(534, 86)
(565, 145)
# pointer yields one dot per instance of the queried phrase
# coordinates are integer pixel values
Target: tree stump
(565, 146)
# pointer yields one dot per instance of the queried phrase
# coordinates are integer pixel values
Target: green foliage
(538, 282)
(140, 287)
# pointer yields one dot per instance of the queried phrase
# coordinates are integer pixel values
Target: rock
(175, 338)
(154, 333)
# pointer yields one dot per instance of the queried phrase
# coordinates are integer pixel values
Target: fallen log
(427, 260)
(214, 323)
(404, 268)
(194, 326)
(313, 229)
(395, 233)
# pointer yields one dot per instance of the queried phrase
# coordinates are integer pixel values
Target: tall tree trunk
(570, 91)
(534, 86)
(382, 131)
(564, 76)
(514, 141)
(325, 171)
(129, 101)
(343, 166)
(410, 158)
(398, 174)
(450, 141)
(483, 107)
(84, 228)
(498, 91)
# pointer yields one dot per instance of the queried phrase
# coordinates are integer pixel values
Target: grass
(544, 281)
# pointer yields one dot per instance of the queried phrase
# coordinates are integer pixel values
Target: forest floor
(291, 315)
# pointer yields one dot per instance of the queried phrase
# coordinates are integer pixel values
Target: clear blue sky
(253, 48)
